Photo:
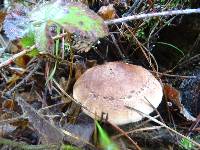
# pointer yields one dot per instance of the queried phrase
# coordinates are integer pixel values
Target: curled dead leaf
(107, 12)
(22, 61)
(174, 96)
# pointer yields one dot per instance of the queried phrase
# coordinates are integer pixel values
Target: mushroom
(110, 87)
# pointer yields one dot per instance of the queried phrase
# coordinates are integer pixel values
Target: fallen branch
(142, 16)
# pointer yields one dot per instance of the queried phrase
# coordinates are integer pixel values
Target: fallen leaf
(25, 134)
(6, 128)
(87, 28)
(30, 96)
(22, 61)
(2, 16)
(83, 129)
(107, 12)
(20, 123)
(8, 104)
(174, 96)
(49, 131)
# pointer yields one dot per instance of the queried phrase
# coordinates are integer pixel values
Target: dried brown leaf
(8, 104)
(174, 96)
(2, 17)
(22, 61)
(107, 12)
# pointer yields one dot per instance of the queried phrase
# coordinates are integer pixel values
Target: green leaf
(105, 141)
(73, 17)
(28, 40)
(186, 144)
(71, 14)
(86, 20)
(33, 53)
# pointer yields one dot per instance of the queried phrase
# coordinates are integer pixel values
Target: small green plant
(140, 33)
(105, 141)
(186, 144)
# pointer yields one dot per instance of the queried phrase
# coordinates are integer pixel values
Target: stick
(142, 16)
(12, 58)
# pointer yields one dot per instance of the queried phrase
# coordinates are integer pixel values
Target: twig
(2, 42)
(144, 50)
(174, 75)
(143, 123)
(12, 58)
(133, 8)
(138, 130)
(63, 45)
(59, 36)
(117, 46)
(142, 16)
(194, 125)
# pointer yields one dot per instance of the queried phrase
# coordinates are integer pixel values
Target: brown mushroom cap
(109, 87)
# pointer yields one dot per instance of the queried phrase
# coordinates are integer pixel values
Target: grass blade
(170, 45)
(105, 141)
